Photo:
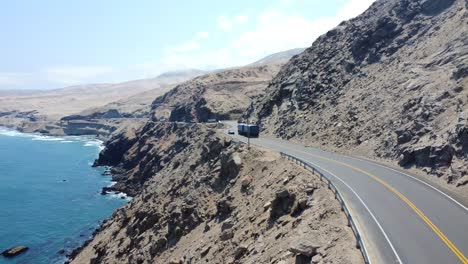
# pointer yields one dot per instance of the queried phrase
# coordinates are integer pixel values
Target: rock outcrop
(199, 197)
(220, 95)
(390, 84)
(14, 251)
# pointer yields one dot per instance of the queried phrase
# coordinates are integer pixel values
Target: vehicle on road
(248, 130)
(231, 132)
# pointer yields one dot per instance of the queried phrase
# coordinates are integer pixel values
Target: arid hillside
(391, 83)
(55, 104)
(202, 198)
(96, 110)
(103, 108)
(219, 95)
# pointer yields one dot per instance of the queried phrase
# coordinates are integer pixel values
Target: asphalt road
(401, 219)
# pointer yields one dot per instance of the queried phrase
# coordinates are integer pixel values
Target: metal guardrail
(339, 197)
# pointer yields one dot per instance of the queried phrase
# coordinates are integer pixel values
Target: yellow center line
(434, 228)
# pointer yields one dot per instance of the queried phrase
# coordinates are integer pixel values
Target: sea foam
(47, 138)
(123, 196)
(87, 142)
(94, 143)
(12, 133)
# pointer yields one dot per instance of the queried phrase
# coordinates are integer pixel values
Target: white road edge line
(367, 208)
(414, 178)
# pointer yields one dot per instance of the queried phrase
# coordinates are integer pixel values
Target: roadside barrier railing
(339, 197)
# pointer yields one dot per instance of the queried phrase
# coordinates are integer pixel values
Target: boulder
(403, 136)
(227, 224)
(304, 247)
(443, 155)
(240, 251)
(428, 156)
(226, 235)
(237, 159)
(205, 250)
(104, 191)
(422, 156)
(223, 208)
(246, 182)
(14, 251)
(462, 138)
(176, 261)
(283, 203)
(299, 207)
(462, 181)
(230, 167)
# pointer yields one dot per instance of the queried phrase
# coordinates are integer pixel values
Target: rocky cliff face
(201, 198)
(220, 95)
(390, 83)
(138, 154)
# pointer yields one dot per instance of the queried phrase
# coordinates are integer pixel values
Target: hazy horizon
(53, 44)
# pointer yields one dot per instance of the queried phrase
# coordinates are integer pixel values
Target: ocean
(50, 195)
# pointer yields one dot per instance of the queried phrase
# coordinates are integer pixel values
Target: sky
(54, 43)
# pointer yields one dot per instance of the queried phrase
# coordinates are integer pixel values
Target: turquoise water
(49, 195)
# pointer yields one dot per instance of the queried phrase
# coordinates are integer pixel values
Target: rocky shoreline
(17, 250)
(100, 128)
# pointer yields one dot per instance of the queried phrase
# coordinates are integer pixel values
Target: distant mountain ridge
(100, 108)
(58, 103)
(283, 56)
(179, 73)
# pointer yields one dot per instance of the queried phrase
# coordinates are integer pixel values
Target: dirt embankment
(201, 198)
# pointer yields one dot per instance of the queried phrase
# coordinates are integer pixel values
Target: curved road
(401, 219)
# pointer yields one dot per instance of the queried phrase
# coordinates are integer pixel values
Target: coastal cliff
(199, 197)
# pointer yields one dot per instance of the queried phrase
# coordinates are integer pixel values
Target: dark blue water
(49, 195)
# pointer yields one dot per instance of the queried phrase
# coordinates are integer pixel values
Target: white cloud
(241, 19)
(188, 46)
(276, 32)
(224, 23)
(273, 30)
(227, 24)
(203, 35)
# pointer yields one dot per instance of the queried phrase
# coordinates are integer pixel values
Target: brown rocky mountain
(218, 95)
(202, 198)
(390, 84)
